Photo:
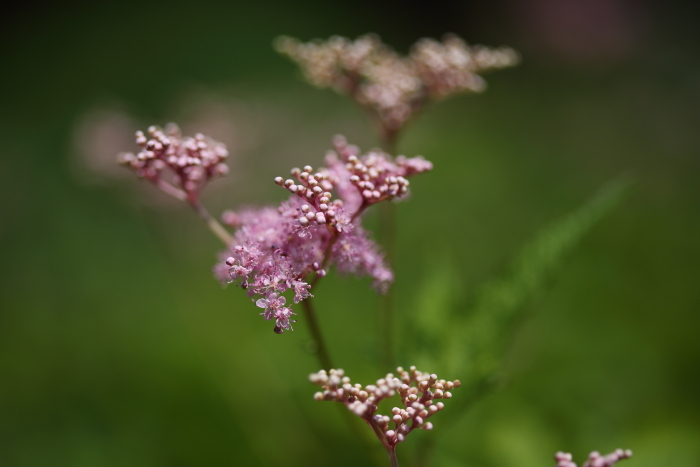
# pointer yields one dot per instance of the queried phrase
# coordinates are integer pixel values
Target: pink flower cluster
(418, 392)
(289, 248)
(595, 459)
(180, 166)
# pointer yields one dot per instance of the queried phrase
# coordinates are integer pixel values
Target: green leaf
(474, 347)
(433, 305)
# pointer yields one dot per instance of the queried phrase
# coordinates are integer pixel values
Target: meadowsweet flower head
(376, 176)
(394, 87)
(418, 392)
(452, 66)
(286, 249)
(595, 459)
(180, 166)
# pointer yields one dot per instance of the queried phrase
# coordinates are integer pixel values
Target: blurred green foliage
(118, 347)
(473, 348)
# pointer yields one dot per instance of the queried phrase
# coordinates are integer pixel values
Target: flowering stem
(392, 457)
(169, 189)
(213, 224)
(387, 217)
(391, 450)
(321, 349)
(387, 232)
(218, 229)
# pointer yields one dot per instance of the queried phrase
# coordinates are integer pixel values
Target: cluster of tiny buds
(375, 175)
(418, 392)
(315, 190)
(192, 160)
(595, 459)
(369, 179)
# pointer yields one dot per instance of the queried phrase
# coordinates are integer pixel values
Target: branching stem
(392, 457)
(218, 229)
(321, 349)
(192, 198)
(387, 233)
(169, 189)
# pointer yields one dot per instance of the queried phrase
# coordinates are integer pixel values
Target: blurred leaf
(434, 302)
(473, 351)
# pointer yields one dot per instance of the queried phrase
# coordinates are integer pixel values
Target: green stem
(392, 457)
(387, 235)
(169, 189)
(321, 349)
(212, 223)
(192, 198)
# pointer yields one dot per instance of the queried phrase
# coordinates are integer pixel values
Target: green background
(117, 347)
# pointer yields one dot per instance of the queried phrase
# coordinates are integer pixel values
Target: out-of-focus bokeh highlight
(117, 346)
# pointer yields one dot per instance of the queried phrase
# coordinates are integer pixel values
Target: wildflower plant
(278, 254)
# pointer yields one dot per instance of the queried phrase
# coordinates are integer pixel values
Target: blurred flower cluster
(180, 166)
(392, 86)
